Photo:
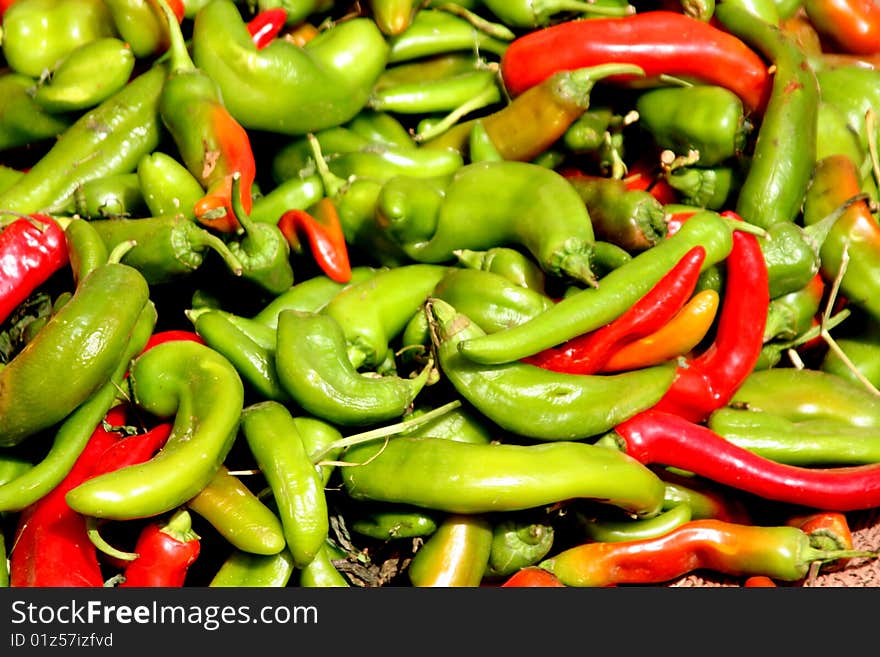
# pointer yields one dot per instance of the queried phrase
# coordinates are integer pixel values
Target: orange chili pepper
(323, 229)
(675, 338)
(759, 581)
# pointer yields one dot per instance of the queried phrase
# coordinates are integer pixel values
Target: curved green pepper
(513, 264)
(284, 88)
(141, 24)
(167, 185)
(87, 76)
(315, 371)
(204, 393)
(633, 530)
(73, 355)
(560, 406)
(436, 32)
(489, 204)
(22, 120)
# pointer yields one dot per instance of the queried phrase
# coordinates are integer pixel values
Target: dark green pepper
(116, 195)
(22, 120)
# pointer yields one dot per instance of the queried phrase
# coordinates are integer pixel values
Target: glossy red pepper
(323, 230)
(172, 335)
(587, 353)
(51, 546)
(165, 553)
(660, 42)
(31, 250)
(532, 577)
(654, 437)
(266, 25)
(708, 381)
(852, 26)
(641, 176)
(781, 552)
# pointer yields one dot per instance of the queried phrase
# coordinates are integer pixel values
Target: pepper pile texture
(430, 293)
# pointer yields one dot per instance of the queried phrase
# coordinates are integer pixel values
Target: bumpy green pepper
(37, 34)
(489, 204)
(284, 88)
(315, 371)
(204, 394)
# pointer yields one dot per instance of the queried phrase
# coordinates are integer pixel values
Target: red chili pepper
(165, 553)
(641, 176)
(323, 229)
(587, 353)
(660, 42)
(51, 546)
(532, 576)
(708, 381)
(781, 552)
(170, 336)
(654, 437)
(266, 25)
(31, 250)
(852, 25)
(759, 582)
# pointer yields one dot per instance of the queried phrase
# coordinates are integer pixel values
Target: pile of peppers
(434, 293)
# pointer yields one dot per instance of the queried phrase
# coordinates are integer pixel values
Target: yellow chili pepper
(676, 338)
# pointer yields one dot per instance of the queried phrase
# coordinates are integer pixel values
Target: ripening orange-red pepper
(852, 26)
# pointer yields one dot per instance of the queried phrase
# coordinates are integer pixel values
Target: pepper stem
(545, 9)
(491, 94)
(497, 30)
(333, 184)
(812, 554)
(179, 526)
(98, 541)
(119, 251)
(579, 82)
(246, 225)
(177, 50)
(201, 238)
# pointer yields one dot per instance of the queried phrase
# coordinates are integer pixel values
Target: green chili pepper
(86, 77)
(708, 188)
(561, 406)
(853, 90)
(296, 160)
(37, 34)
(76, 429)
(310, 295)
(254, 362)
(86, 249)
(22, 120)
(480, 147)
(819, 442)
(391, 522)
(857, 356)
(297, 10)
(167, 185)
(263, 251)
(320, 572)
(591, 308)
(285, 88)
(381, 128)
(836, 135)
(791, 314)
(203, 391)
(115, 195)
(440, 95)
(436, 32)
(708, 119)
(587, 133)
(607, 257)
(456, 554)
(110, 138)
(458, 477)
(296, 485)
(74, 354)
(518, 543)
(315, 371)
(490, 204)
(371, 313)
(12, 467)
(457, 424)
(141, 24)
(782, 160)
(517, 267)
(633, 219)
(167, 247)
(246, 569)
(610, 531)
(428, 69)
(792, 254)
(238, 514)
(805, 394)
(291, 194)
(490, 300)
